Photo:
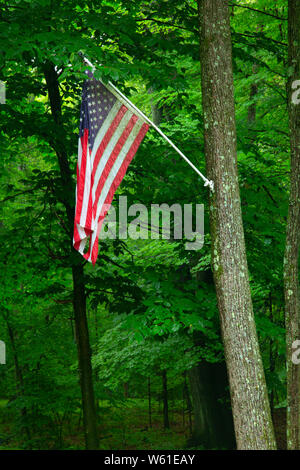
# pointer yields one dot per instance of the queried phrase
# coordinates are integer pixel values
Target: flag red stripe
(89, 218)
(117, 149)
(120, 175)
(116, 121)
(77, 239)
(116, 144)
(81, 176)
(99, 154)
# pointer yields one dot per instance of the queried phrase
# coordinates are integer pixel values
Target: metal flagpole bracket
(207, 182)
(210, 183)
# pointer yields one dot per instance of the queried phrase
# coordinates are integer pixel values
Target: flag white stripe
(83, 237)
(109, 149)
(104, 128)
(112, 175)
(82, 245)
(86, 193)
(90, 158)
(79, 155)
(80, 230)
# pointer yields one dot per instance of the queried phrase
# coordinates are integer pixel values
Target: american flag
(110, 133)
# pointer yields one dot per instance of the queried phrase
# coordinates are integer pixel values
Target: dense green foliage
(151, 303)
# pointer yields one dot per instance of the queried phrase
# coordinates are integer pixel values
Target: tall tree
(79, 297)
(291, 277)
(250, 406)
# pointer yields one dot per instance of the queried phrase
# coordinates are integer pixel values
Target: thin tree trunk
(19, 375)
(165, 400)
(188, 403)
(96, 326)
(126, 390)
(271, 355)
(149, 403)
(183, 407)
(249, 397)
(290, 267)
(84, 359)
(79, 298)
(18, 371)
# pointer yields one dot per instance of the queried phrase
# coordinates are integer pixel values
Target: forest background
(128, 354)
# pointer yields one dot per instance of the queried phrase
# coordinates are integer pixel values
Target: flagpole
(207, 182)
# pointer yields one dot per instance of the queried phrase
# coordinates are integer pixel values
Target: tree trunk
(290, 267)
(18, 371)
(79, 298)
(149, 403)
(165, 400)
(272, 359)
(126, 390)
(249, 398)
(19, 377)
(186, 394)
(213, 426)
(84, 359)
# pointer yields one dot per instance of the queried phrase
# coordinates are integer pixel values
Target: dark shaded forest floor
(127, 427)
(123, 427)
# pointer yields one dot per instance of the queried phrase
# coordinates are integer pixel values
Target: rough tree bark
(249, 398)
(79, 297)
(290, 267)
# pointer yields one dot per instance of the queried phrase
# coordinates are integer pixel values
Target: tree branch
(254, 36)
(270, 195)
(258, 11)
(166, 23)
(16, 195)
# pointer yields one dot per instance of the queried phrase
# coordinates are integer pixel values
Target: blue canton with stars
(97, 102)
